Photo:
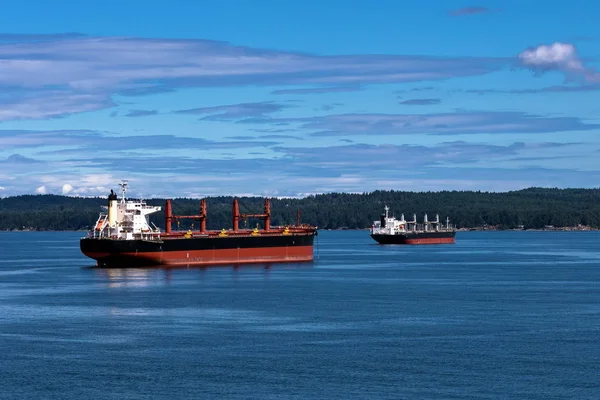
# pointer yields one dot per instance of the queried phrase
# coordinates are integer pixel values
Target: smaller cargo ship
(389, 230)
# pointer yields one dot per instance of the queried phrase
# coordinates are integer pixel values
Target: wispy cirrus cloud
(547, 89)
(355, 157)
(274, 131)
(25, 37)
(325, 161)
(19, 159)
(124, 62)
(21, 139)
(328, 107)
(538, 158)
(17, 104)
(469, 11)
(278, 137)
(435, 124)
(73, 141)
(582, 38)
(335, 161)
(236, 111)
(420, 102)
(319, 90)
(265, 137)
(416, 89)
(141, 113)
(90, 70)
(560, 57)
(465, 122)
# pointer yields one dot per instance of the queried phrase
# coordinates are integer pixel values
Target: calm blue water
(497, 315)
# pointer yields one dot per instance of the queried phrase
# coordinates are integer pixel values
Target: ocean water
(497, 315)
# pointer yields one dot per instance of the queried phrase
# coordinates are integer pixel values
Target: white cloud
(83, 185)
(556, 54)
(66, 188)
(558, 57)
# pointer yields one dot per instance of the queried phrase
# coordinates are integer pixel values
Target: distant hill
(531, 208)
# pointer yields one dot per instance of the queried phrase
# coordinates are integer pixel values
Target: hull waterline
(417, 238)
(199, 251)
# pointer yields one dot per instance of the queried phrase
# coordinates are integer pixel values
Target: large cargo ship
(124, 237)
(389, 230)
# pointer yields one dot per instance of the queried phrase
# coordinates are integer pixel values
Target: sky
(289, 99)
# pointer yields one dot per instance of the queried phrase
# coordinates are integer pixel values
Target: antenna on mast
(123, 184)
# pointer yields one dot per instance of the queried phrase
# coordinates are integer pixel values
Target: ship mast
(123, 185)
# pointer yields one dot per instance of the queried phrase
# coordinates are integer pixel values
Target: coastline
(494, 229)
(582, 228)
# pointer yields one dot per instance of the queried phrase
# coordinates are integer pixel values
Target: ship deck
(293, 231)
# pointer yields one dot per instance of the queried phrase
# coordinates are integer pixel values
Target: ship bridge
(391, 226)
(388, 225)
(127, 219)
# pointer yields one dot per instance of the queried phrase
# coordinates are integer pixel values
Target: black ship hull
(416, 238)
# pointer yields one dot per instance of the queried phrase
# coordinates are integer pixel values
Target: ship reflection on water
(127, 277)
(139, 277)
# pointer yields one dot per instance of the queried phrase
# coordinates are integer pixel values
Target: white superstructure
(126, 219)
(391, 226)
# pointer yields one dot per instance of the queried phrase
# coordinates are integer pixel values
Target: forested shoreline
(533, 208)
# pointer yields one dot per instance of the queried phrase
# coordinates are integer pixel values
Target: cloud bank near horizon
(311, 170)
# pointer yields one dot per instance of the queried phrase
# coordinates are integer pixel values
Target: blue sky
(189, 98)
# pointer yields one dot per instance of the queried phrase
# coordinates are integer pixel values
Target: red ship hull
(200, 251)
(207, 257)
(430, 241)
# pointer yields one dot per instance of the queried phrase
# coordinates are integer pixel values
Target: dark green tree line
(532, 208)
